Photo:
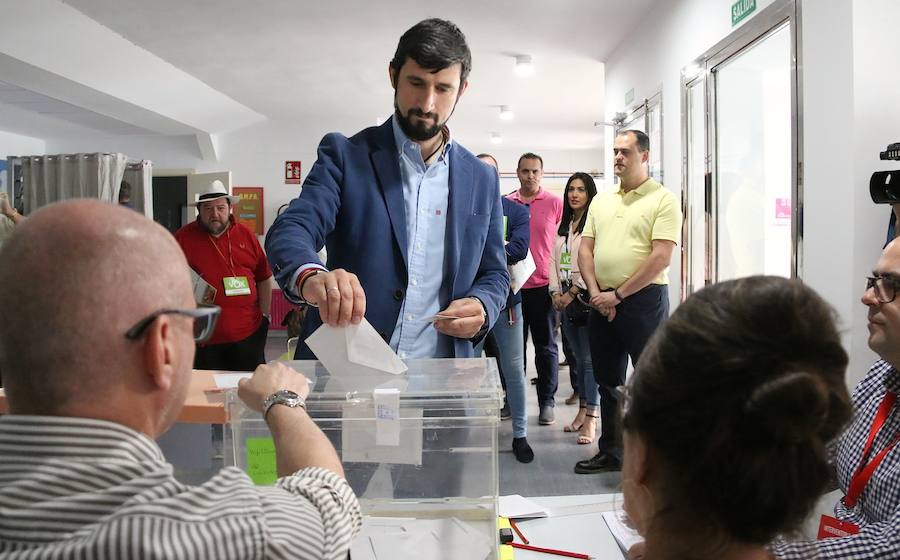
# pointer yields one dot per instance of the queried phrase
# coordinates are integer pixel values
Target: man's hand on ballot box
(269, 378)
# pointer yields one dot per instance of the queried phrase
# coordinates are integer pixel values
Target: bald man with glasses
(866, 521)
(97, 343)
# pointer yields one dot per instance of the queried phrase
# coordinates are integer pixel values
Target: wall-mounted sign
(249, 211)
(292, 173)
(741, 9)
(629, 96)
(782, 211)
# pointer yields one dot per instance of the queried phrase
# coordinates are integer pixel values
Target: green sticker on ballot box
(261, 466)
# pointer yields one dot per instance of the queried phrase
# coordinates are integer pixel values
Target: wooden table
(205, 404)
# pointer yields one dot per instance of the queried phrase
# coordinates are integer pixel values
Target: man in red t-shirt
(229, 258)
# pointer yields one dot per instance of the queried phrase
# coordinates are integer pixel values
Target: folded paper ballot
(355, 348)
(515, 506)
(622, 530)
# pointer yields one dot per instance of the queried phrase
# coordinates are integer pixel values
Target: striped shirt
(878, 511)
(84, 488)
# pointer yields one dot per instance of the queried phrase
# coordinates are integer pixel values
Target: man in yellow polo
(624, 259)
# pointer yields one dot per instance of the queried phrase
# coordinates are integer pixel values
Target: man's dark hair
(529, 155)
(435, 44)
(643, 141)
(487, 155)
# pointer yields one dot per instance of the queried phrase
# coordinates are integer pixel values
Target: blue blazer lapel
(387, 170)
(459, 208)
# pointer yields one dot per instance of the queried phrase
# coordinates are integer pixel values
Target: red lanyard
(865, 470)
(230, 260)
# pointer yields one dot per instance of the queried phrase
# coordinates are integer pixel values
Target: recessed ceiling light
(496, 138)
(506, 112)
(524, 67)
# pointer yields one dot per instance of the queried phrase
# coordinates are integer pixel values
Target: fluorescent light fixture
(496, 138)
(506, 113)
(524, 67)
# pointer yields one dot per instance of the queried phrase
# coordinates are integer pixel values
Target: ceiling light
(524, 67)
(506, 113)
(496, 138)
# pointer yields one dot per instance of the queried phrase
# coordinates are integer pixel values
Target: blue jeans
(506, 343)
(583, 371)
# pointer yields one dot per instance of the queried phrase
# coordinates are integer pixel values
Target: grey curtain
(48, 179)
(140, 176)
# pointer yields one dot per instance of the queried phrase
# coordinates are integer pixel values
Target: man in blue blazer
(411, 220)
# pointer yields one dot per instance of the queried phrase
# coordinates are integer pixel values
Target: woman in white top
(565, 286)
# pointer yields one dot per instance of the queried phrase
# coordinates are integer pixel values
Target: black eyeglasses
(885, 287)
(204, 316)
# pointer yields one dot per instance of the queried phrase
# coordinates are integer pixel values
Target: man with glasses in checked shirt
(96, 346)
(866, 522)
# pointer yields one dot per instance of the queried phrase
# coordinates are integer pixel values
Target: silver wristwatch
(285, 397)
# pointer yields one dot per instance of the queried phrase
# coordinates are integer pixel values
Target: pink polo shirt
(545, 211)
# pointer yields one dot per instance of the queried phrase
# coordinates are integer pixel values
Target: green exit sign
(741, 9)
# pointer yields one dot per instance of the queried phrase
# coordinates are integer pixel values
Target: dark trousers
(243, 355)
(539, 317)
(570, 359)
(637, 318)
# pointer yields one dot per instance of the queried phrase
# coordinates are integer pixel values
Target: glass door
(753, 159)
(740, 131)
(695, 261)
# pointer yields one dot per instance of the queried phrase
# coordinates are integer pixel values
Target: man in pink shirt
(538, 316)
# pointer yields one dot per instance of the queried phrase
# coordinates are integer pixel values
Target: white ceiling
(212, 66)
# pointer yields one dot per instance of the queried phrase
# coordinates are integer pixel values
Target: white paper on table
(229, 380)
(520, 272)
(517, 507)
(620, 527)
(435, 539)
(355, 348)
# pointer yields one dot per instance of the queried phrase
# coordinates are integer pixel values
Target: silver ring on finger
(333, 289)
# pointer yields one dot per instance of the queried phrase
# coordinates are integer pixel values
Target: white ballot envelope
(355, 348)
(520, 272)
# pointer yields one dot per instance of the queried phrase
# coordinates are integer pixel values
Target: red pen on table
(512, 523)
(550, 551)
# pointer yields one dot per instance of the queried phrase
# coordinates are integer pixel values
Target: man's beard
(214, 229)
(419, 132)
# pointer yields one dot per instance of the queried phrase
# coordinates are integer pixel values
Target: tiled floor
(556, 452)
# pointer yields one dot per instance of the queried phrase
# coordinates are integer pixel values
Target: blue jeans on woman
(579, 340)
(506, 343)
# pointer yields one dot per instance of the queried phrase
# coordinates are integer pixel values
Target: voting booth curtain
(51, 178)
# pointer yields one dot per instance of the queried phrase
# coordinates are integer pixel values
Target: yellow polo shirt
(624, 226)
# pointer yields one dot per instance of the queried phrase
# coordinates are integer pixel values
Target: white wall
(849, 113)
(876, 123)
(17, 145)
(255, 155)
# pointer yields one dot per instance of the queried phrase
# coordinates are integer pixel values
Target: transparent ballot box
(419, 450)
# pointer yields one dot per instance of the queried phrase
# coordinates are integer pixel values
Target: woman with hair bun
(727, 418)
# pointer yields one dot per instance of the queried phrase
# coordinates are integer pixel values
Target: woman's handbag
(578, 311)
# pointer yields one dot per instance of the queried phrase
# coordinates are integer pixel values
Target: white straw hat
(213, 191)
